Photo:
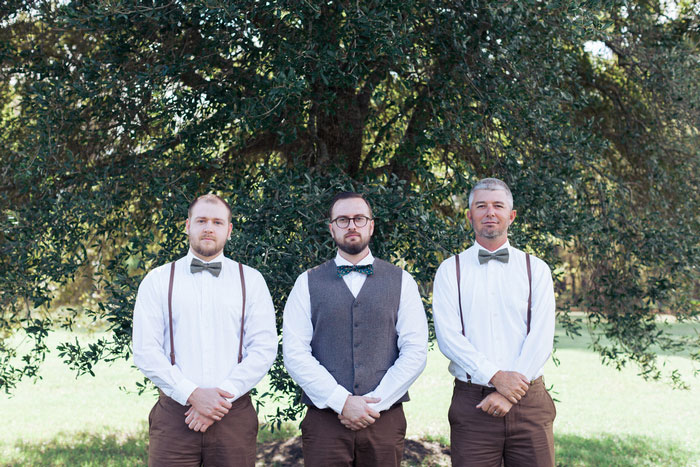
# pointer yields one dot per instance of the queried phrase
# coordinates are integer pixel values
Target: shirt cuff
(232, 389)
(337, 399)
(486, 372)
(378, 406)
(183, 390)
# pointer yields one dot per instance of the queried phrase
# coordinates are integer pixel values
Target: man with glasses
(493, 307)
(354, 338)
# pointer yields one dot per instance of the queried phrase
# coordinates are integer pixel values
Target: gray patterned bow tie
(500, 255)
(199, 266)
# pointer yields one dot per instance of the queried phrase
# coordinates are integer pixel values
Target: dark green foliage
(116, 114)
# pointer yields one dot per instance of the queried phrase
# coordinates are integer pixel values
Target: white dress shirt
(323, 390)
(207, 326)
(494, 305)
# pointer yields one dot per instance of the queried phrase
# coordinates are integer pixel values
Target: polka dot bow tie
(366, 269)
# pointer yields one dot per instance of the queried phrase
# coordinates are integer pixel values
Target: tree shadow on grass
(114, 449)
(82, 449)
(620, 451)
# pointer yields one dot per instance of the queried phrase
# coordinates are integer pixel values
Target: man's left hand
(511, 384)
(357, 414)
(495, 405)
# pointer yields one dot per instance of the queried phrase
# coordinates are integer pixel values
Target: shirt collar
(505, 245)
(190, 256)
(340, 261)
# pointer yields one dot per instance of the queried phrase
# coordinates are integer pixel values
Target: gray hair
(492, 184)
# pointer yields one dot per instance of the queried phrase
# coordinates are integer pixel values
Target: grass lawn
(605, 417)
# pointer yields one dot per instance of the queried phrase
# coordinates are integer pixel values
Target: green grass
(605, 417)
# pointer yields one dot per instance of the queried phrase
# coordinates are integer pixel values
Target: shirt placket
(206, 328)
(493, 306)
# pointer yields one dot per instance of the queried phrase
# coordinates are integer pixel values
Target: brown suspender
(529, 296)
(240, 341)
(170, 313)
(459, 293)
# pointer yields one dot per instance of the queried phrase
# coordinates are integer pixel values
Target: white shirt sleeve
(448, 326)
(149, 332)
(412, 330)
(259, 337)
(317, 383)
(538, 344)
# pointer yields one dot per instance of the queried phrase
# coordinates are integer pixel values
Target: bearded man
(355, 338)
(493, 306)
(204, 333)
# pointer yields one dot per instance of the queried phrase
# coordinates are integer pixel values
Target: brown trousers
(327, 443)
(228, 442)
(524, 437)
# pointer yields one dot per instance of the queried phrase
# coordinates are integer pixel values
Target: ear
(513, 213)
(230, 229)
(469, 216)
(371, 227)
(187, 226)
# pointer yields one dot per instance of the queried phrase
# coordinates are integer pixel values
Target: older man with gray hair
(494, 307)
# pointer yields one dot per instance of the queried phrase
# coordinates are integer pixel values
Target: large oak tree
(115, 114)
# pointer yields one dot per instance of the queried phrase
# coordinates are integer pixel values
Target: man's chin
(206, 252)
(352, 249)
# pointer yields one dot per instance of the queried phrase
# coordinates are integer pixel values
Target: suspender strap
(170, 313)
(529, 295)
(459, 293)
(240, 342)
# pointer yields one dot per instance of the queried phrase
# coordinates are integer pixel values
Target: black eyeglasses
(344, 222)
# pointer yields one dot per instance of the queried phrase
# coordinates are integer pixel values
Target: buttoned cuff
(231, 388)
(183, 390)
(378, 406)
(486, 372)
(337, 399)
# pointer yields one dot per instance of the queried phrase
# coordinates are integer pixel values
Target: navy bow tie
(500, 255)
(199, 266)
(366, 269)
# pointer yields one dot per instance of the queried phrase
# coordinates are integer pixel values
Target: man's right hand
(511, 384)
(210, 402)
(196, 421)
(356, 414)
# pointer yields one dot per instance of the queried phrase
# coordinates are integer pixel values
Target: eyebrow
(213, 218)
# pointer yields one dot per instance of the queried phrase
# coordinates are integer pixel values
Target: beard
(488, 233)
(352, 248)
(206, 249)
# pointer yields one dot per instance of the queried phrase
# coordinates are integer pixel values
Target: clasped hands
(357, 414)
(207, 405)
(510, 386)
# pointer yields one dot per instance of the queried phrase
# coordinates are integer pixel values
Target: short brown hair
(210, 198)
(347, 195)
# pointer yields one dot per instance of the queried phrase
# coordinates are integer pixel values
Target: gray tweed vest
(355, 338)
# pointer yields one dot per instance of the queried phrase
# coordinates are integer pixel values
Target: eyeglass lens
(344, 222)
